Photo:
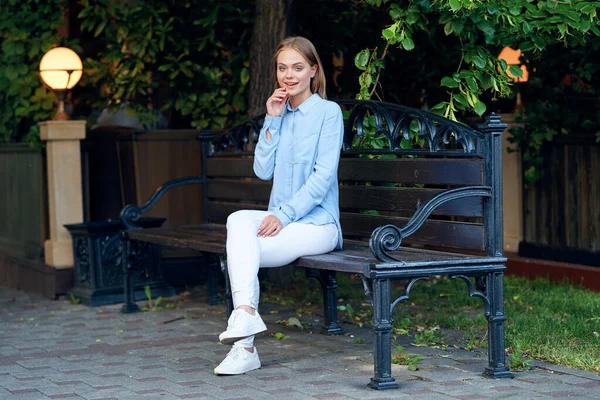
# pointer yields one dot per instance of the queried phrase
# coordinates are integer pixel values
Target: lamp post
(61, 69)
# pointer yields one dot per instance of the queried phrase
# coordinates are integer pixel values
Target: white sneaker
(241, 325)
(238, 361)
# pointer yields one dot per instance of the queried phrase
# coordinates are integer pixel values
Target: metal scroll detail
(111, 250)
(132, 213)
(473, 292)
(82, 258)
(391, 120)
(394, 122)
(407, 290)
(388, 238)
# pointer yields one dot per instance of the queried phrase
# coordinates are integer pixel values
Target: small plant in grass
(153, 305)
(430, 338)
(474, 340)
(402, 327)
(73, 299)
(519, 360)
(403, 358)
(358, 341)
(354, 317)
(280, 336)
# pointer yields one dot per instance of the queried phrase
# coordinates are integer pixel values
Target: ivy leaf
(458, 25)
(486, 27)
(515, 70)
(362, 59)
(408, 44)
(455, 5)
(405, 144)
(438, 108)
(471, 84)
(412, 18)
(538, 42)
(449, 82)
(245, 76)
(461, 99)
(448, 28)
(388, 33)
(526, 46)
(480, 108)
(526, 28)
(480, 62)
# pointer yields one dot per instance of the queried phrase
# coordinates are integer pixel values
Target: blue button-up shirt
(302, 159)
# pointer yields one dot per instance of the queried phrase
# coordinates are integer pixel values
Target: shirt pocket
(305, 148)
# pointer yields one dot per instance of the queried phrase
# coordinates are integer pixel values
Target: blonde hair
(308, 51)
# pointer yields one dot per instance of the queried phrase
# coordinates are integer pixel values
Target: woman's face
(294, 74)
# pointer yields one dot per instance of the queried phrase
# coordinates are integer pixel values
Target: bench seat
(353, 258)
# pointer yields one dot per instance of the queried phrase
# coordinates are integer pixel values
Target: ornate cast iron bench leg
(328, 286)
(127, 262)
(496, 357)
(382, 327)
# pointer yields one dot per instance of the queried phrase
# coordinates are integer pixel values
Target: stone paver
(55, 350)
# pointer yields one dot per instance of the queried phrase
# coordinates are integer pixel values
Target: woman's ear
(314, 68)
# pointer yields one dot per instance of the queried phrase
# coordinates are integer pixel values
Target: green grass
(559, 323)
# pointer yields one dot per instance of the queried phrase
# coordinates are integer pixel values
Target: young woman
(299, 148)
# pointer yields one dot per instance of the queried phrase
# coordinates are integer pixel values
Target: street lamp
(513, 57)
(61, 69)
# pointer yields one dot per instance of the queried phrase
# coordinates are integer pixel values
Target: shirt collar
(306, 104)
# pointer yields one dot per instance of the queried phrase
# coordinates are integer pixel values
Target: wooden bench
(434, 187)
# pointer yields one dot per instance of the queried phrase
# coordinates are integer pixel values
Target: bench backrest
(417, 156)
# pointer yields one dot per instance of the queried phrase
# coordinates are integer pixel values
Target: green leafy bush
(28, 29)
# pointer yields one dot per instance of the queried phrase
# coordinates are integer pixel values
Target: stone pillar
(512, 189)
(65, 198)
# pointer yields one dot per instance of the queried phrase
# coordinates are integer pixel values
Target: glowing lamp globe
(61, 69)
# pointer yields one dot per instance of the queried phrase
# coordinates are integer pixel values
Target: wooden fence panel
(23, 200)
(563, 209)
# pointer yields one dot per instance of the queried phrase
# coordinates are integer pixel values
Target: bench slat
(354, 256)
(209, 238)
(239, 190)
(382, 198)
(230, 167)
(432, 233)
(401, 199)
(428, 171)
(219, 211)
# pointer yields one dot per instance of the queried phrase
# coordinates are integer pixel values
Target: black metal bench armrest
(388, 238)
(131, 213)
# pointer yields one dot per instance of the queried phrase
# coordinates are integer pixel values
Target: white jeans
(246, 252)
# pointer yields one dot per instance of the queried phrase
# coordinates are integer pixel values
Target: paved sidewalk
(56, 350)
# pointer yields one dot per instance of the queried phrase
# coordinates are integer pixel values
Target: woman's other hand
(276, 102)
(270, 226)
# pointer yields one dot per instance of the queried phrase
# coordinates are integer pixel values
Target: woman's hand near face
(276, 102)
(270, 226)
